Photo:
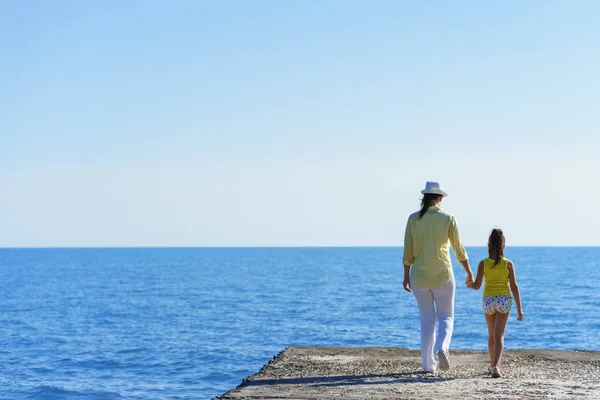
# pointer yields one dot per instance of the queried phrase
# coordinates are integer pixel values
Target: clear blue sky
(127, 123)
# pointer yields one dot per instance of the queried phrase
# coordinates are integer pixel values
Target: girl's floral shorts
(494, 304)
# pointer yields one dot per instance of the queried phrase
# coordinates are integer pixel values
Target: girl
(499, 274)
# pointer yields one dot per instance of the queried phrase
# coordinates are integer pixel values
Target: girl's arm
(512, 279)
(477, 284)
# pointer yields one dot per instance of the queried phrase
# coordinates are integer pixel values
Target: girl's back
(496, 277)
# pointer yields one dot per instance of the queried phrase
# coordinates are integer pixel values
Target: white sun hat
(434, 188)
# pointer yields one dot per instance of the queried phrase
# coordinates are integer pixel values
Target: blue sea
(191, 323)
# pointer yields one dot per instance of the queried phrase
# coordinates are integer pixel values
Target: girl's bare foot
(496, 372)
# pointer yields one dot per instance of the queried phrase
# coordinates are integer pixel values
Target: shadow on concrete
(350, 380)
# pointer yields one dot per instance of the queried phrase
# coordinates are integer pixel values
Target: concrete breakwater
(394, 373)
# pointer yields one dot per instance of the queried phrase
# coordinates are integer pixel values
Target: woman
(429, 234)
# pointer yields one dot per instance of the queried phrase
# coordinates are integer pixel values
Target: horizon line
(260, 247)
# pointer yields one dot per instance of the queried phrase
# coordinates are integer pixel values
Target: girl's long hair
(496, 245)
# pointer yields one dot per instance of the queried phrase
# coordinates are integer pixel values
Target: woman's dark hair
(496, 245)
(426, 202)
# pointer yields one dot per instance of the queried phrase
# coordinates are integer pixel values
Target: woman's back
(427, 247)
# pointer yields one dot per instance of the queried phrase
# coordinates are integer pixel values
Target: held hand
(406, 284)
(470, 281)
(520, 317)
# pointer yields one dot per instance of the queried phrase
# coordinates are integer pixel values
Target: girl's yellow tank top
(496, 277)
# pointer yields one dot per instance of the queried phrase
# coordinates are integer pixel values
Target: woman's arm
(512, 279)
(479, 279)
(467, 268)
(406, 283)
(408, 257)
(459, 250)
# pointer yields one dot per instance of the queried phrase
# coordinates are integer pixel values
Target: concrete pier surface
(393, 373)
